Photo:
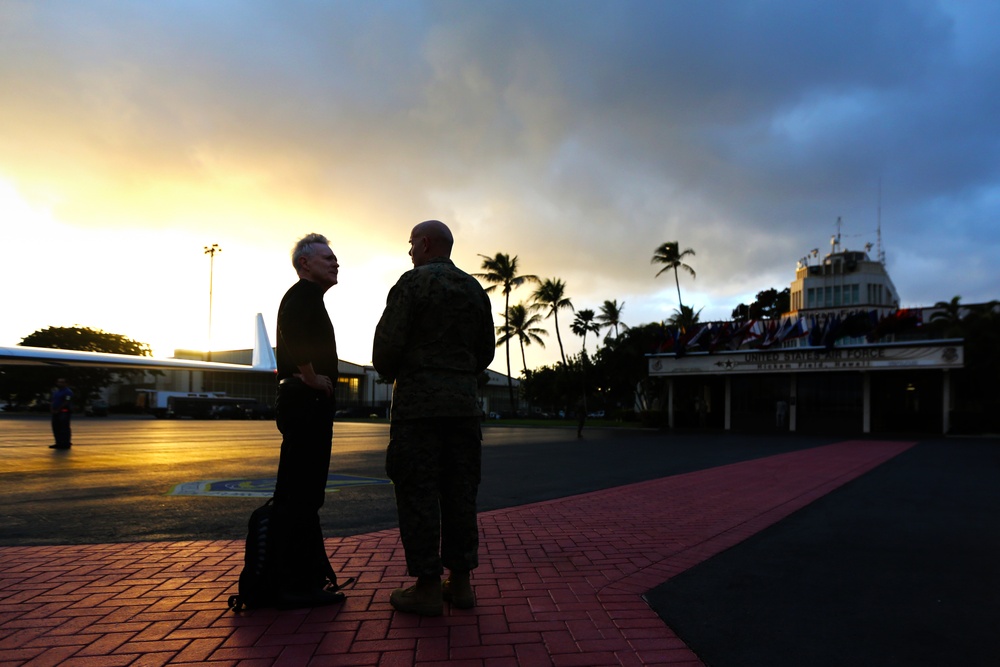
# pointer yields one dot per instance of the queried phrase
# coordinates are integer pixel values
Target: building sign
(806, 360)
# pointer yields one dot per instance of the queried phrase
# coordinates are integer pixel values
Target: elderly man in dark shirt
(434, 340)
(306, 353)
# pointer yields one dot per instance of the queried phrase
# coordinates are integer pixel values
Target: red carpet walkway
(560, 582)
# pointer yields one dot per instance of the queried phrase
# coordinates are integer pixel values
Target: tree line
(566, 383)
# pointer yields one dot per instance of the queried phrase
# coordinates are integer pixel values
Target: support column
(866, 399)
(670, 403)
(793, 390)
(945, 401)
(729, 402)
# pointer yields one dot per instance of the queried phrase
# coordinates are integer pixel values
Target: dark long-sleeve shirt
(305, 332)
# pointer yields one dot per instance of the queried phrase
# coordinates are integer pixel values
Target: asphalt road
(900, 566)
(115, 484)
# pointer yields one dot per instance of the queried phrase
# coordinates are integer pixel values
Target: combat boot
(457, 591)
(423, 598)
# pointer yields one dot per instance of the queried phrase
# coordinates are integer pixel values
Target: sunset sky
(576, 135)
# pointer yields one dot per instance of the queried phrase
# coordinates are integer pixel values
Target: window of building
(347, 389)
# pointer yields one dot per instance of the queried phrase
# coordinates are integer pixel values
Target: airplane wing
(263, 358)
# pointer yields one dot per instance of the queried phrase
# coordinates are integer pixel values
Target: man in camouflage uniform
(434, 340)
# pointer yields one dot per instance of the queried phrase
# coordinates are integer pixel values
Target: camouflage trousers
(435, 466)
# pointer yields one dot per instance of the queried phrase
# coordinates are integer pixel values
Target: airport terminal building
(844, 359)
(359, 392)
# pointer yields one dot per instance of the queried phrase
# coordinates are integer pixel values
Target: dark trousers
(305, 419)
(435, 466)
(61, 429)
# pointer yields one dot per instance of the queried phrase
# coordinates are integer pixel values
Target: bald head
(430, 239)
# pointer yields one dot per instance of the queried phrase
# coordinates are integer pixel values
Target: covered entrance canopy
(885, 387)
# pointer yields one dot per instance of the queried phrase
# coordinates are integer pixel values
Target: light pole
(210, 251)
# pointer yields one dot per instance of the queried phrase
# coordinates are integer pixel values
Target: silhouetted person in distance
(62, 397)
(306, 354)
(434, 339)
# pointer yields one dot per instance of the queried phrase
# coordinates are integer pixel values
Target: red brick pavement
(560, 583)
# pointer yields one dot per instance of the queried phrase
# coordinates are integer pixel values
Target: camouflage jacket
(434, 339)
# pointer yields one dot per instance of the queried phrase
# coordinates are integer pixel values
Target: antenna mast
(878, 235)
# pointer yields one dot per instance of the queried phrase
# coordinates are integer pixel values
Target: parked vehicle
(96, 408)
(195, 405)
(356, 412)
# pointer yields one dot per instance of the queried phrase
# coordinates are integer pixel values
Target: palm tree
(684, 317)
(671, 257)
(501, 271)
(551, 294)
(582, 324)
(611, 314)
(950, 313)
(521, 323)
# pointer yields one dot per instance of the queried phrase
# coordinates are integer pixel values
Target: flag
(720, 335)
(741, 332)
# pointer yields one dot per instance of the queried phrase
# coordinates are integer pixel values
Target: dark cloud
(578, 135)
